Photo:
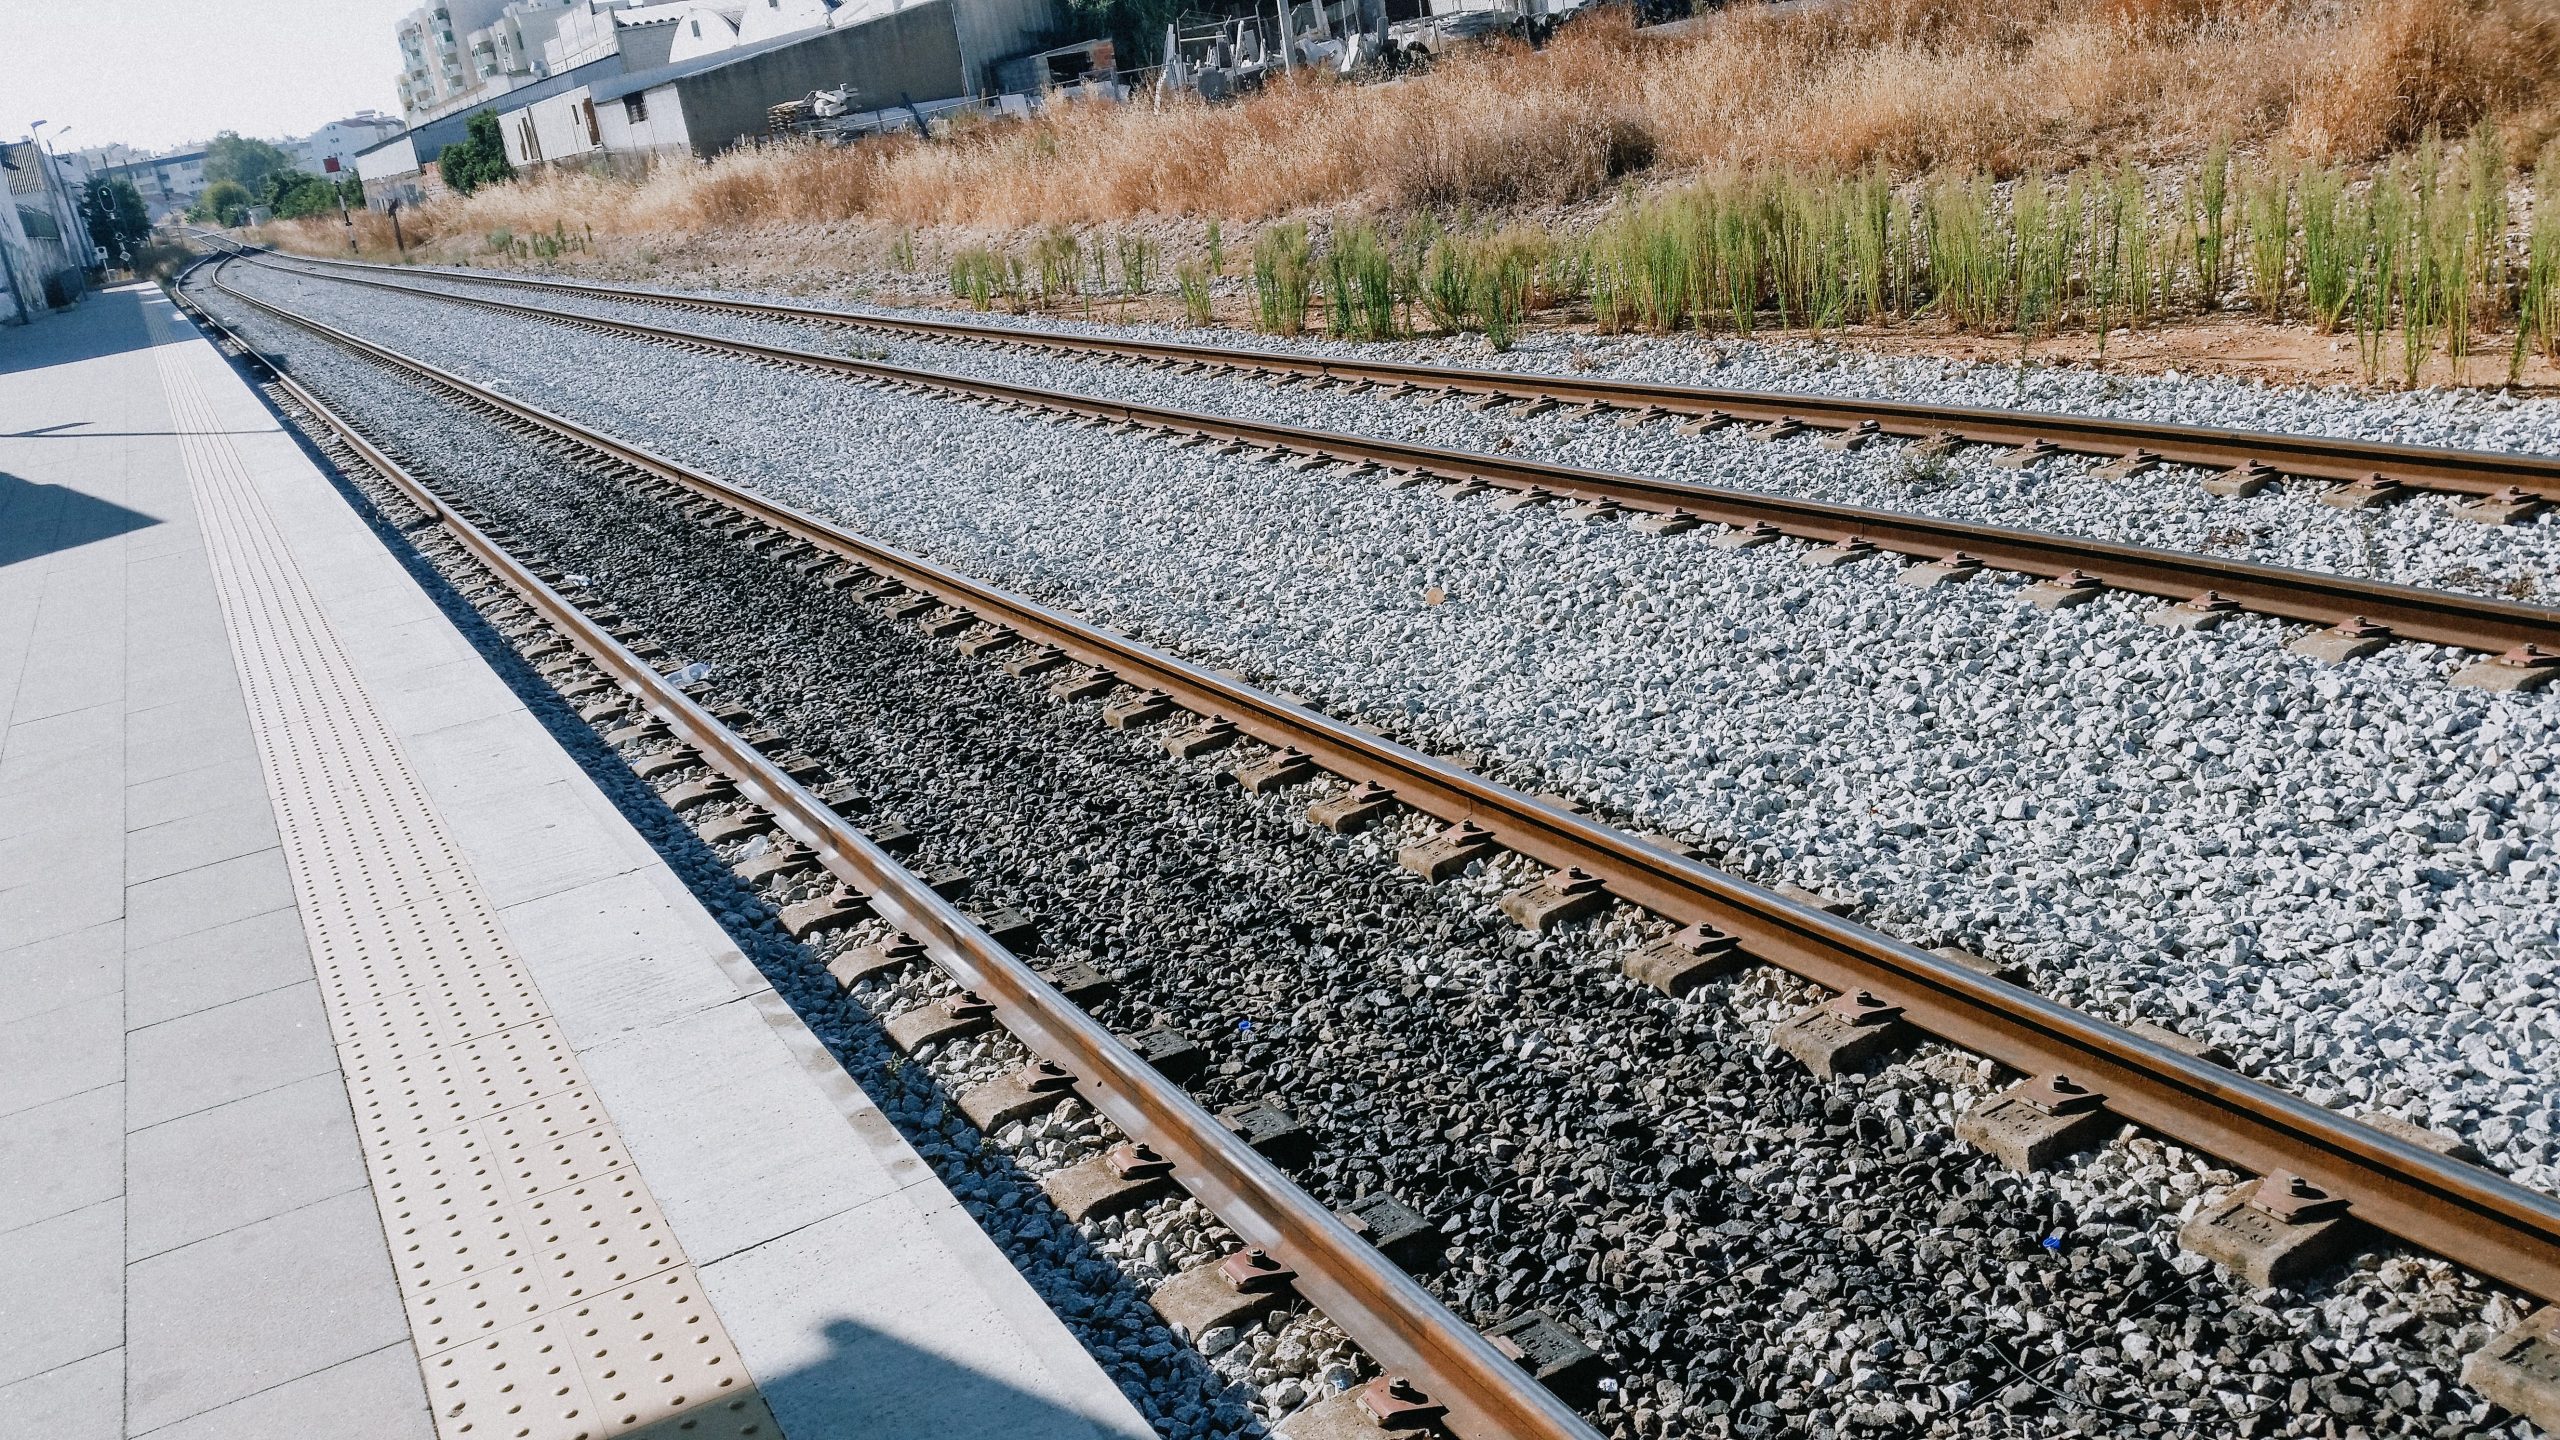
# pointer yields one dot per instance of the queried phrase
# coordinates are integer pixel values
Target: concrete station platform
(362, 1072)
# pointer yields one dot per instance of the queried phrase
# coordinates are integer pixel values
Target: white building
(462, 54)
(47, 249)
(331, 149)
(169, 183)
(592, 30)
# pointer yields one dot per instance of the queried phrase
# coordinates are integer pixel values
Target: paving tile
(538, 839)
(83, 1400)
(377, 1396)
(297, 1293)
(50, 974)
(902, 1318)
(203, 678)
(66, 896)
(215, 1056)
(466, 761)
(61, 1289)
(459, 691)
(59, 1157)
(60, 1052)
(205, 968)
(192, 792)
(185, 734)
(185, 1180)
(79, 846)
(96, 731)
(42, 790)
(206, 896)
(621, 954)
(738, 1146)
(54, 684)
(204, 838)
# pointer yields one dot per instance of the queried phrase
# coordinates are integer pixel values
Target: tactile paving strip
(547, 1297)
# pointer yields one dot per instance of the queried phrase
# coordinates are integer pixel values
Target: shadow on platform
(40, 519)
(870, 1383)
(106, 322)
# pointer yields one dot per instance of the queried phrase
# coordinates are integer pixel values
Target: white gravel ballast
(2417, 543)
(2344, 874)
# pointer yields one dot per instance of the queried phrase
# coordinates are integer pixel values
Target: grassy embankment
(2380, 170)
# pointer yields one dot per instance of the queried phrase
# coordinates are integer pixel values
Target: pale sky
(155, 73)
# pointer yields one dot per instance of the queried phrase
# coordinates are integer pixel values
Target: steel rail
(2465, 1213)
(2316, 457)
(1383, 1309)
(2462, 621)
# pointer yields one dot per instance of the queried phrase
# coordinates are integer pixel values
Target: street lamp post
(52, 179)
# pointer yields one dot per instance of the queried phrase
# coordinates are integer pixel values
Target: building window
(635, 108)
(697, 29)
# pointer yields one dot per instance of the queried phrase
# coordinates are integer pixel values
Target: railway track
(2521, 642)
(2135, 446)
(2328, 1167)
(1439, 1364)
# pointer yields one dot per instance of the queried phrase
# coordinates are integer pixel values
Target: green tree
(478, 158)
(118, 221)
(251, 162)
(293, 194)
(225, 203)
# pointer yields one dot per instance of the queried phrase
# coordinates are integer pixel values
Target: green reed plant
(1057, 257)
(1503, 294)
(2208, 218)
(1137, 261)
(2149, 259)
(977, 275)
(2266, 204)
(1871, 230)
(1968, 259)
(2328, 248)
(1449, 283)
(1359, 285)
(2538, 298)
(2484, 157)
(1282, 279)
(1191, 282)
(2382, 254)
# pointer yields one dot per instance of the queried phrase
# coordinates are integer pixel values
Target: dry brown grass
(2003, 86)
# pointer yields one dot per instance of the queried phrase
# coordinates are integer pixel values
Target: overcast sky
(154, 73)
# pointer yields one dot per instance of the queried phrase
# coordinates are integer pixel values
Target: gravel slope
(1760, 1254)
(2344, 874)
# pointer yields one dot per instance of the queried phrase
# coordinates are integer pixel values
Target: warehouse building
(911, 56)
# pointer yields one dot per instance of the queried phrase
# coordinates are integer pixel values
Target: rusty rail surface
(2465, 1213)
(2316, 457)
(1400, 1324)
(2451, 618)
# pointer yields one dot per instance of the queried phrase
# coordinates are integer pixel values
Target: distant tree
(118, 221)
(478, 158)
(225, 203)
(292, 194)
(251, 162)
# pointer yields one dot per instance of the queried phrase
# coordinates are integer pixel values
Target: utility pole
(396, 242)
(346, 217)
